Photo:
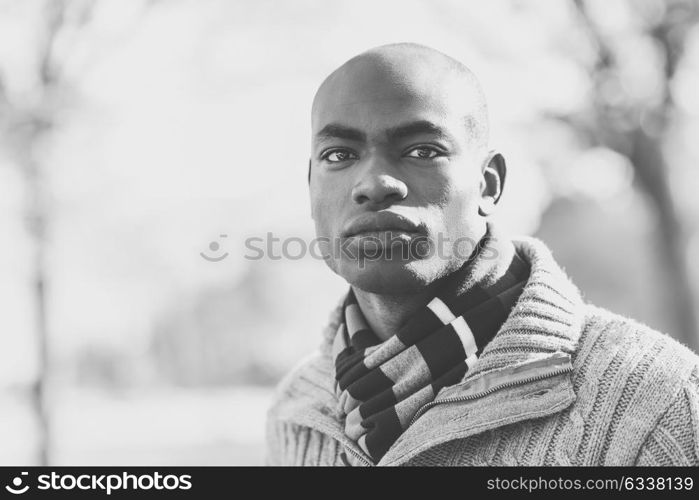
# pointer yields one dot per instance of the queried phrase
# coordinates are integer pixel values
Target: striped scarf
(380, 385)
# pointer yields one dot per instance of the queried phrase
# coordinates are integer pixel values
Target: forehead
(375, 100)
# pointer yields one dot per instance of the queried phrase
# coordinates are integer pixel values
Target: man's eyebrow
(415, 128)
(336, 131)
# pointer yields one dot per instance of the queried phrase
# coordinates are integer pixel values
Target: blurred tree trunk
(37, 124)
(28, 126)
(642, 140)
(652, 173)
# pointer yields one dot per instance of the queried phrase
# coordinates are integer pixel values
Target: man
(456, 345)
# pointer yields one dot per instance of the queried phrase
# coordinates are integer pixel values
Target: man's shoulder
(631, 376)
(611, 344)
(301, 406)
(615, 329)
(310, 372)
(306, 385)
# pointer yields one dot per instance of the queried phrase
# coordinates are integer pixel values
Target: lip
(374, 222)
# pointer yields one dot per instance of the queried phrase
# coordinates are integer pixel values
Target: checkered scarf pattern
(381, 384)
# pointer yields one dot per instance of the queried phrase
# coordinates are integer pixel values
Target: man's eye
(339, 155)
(424, 153)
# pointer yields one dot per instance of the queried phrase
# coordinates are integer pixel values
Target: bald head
(391, 73)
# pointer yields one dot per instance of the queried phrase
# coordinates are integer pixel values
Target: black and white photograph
(432, 233)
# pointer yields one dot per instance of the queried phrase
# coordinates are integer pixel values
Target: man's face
(395, 181)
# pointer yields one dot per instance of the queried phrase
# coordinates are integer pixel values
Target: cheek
(460, 215)
(326, 206)
(463, 200)
(455, 197)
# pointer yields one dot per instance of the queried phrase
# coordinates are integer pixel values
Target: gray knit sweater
(562, 383)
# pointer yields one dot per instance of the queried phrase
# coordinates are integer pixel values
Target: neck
(386, 313)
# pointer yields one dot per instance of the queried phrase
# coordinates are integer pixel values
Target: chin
(383, 276)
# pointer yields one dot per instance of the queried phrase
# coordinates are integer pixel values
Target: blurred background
(142, 140)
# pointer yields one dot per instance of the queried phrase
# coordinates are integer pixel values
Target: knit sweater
(562, 383)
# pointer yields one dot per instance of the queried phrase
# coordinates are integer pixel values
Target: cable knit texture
(631, 396)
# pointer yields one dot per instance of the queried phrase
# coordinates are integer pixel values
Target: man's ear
(492, 182)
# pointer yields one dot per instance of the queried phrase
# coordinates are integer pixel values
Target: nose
(379, 186)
